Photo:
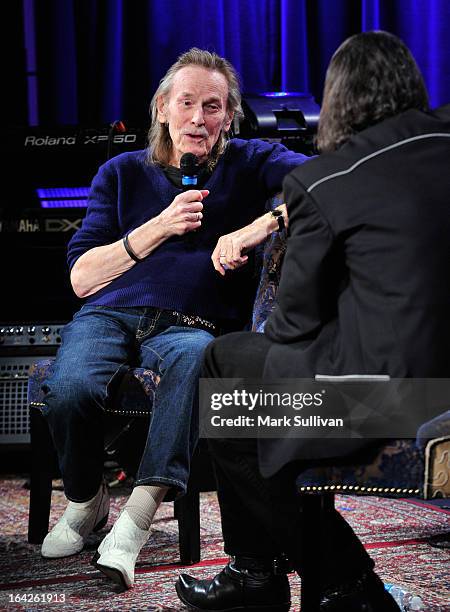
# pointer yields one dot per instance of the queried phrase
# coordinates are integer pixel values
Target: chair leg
(187, 511)
(314, 506)
(43, 467)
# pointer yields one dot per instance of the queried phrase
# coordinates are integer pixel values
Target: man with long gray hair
(142, 260)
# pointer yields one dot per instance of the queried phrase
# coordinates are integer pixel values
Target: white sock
(143, 503)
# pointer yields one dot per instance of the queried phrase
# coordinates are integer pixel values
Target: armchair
(132, 403)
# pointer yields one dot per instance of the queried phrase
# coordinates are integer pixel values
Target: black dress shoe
(366, 594)
(236, 589)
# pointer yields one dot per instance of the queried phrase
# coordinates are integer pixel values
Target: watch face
(278, 215)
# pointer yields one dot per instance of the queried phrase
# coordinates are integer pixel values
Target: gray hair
(159, 142)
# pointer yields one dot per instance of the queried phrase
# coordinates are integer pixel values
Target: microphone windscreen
(189, 164)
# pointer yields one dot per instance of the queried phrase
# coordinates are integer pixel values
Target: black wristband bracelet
(278, 215)
(129, 250)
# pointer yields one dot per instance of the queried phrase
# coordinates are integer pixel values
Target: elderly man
(143, 261)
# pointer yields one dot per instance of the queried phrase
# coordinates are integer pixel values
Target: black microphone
(189, 171)
(189, 179)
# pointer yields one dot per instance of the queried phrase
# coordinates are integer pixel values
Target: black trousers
(264, 517)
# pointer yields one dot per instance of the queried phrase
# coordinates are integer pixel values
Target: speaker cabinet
(21, 345)
(14, 418)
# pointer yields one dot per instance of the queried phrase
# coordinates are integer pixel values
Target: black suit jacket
(365, 284)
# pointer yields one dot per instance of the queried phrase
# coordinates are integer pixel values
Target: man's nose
(198, 117)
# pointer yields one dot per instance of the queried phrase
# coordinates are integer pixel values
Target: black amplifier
(290, 118)
(21, 345)
(40, 212)
(58, 163)
(21, 335)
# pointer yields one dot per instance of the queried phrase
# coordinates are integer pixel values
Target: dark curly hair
(372, 76)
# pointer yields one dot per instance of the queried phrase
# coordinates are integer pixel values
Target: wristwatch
(278, 215)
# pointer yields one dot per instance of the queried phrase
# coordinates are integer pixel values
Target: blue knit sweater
(179, 274)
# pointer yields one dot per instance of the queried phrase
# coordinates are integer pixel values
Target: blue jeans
(96, 347)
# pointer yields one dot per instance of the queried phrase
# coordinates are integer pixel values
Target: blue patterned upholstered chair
(132, 403)
(400, 468)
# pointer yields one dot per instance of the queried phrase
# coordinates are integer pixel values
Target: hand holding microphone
(184, 214)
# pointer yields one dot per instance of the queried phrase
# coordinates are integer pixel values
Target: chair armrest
(273, 255)
(134, 396)
(437, 468)
(394, 470)
(38, 372)
(399, 469)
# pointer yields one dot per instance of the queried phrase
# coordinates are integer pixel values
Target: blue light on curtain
(105, 59)
(294, 43)
(425, 29)
(64, 49)
(424, 26)
(370, 15)
(113, 95)
(30, 50)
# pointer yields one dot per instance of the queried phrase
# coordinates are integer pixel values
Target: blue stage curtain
(100, 60)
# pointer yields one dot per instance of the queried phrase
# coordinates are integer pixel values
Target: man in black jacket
(362, 291)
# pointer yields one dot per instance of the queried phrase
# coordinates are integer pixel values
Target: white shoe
(116, 556)
(79, 520)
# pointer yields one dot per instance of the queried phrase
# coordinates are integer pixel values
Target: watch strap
(278, 215)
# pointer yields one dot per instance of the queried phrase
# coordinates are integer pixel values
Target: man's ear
(228, 121)
(161, 108)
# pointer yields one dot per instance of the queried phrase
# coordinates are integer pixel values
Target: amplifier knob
(10, 331)
(19, 331)
(31, 330)
(46, 331)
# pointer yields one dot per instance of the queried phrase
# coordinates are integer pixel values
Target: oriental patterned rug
(395, 532)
